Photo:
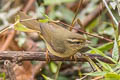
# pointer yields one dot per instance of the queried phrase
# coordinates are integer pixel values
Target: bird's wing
(52, 37)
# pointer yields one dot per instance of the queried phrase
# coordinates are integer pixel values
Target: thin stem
(58, 70)
(79, 5)
(110, 12)
(11, 26)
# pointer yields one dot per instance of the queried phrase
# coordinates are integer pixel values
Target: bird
(59, 41)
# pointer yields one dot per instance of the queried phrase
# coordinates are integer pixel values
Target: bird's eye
(77, 42)
(74, 41)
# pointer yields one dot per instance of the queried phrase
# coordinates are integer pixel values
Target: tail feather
(32, 24)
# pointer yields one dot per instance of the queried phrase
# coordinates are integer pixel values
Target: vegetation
(96, 20)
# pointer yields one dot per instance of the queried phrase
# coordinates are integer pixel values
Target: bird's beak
(88, 42)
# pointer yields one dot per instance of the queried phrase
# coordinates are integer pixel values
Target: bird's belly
(63, 55)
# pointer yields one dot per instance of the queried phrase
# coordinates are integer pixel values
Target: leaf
(118, 43)
(53, 67)
(105, 66)
(115, 52)
(112, 76)
(92, 25)
(17, 18)
(58, 69)
(116, 69)
(102, 54)
(47, 18)
(50, 2)
(43, 21)
(21, 27)
(96, 73)
(92, 63)
(2, 75)
(104, 47)
(46, 78)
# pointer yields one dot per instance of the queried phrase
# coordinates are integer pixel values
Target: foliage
(64, 11)
(2, 75)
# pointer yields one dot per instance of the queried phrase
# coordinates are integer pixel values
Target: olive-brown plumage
(60, 41)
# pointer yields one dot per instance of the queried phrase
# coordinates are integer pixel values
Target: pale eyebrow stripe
(74, 40)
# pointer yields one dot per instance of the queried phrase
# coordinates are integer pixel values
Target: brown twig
(74, 6)
(101, 37)
(40, 56)
(119, 28)
(79, 6)
(8, 40)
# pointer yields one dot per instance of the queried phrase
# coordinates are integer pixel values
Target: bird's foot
(74, 57)
(47, 56)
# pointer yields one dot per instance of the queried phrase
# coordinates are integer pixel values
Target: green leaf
(96, 73)
(115, 52)
(102, 54)
(43, 20)
(117, 67)
(17, 18)
(104, 47)
(46, 78)
(53, 67)
(50, 2)
(2, 75)
(92, 63)
(118, 43)
(97, 51)
(105, 66)
(92, 25)
(21, 27)
(47, 18)
(58, 70)
(112, 76)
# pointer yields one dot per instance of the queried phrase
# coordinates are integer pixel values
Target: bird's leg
(71, 57)
(74, 57)
(47, 56)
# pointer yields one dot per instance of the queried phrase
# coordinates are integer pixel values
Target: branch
(40, 56)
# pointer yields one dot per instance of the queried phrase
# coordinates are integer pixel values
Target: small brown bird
(59, 41)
